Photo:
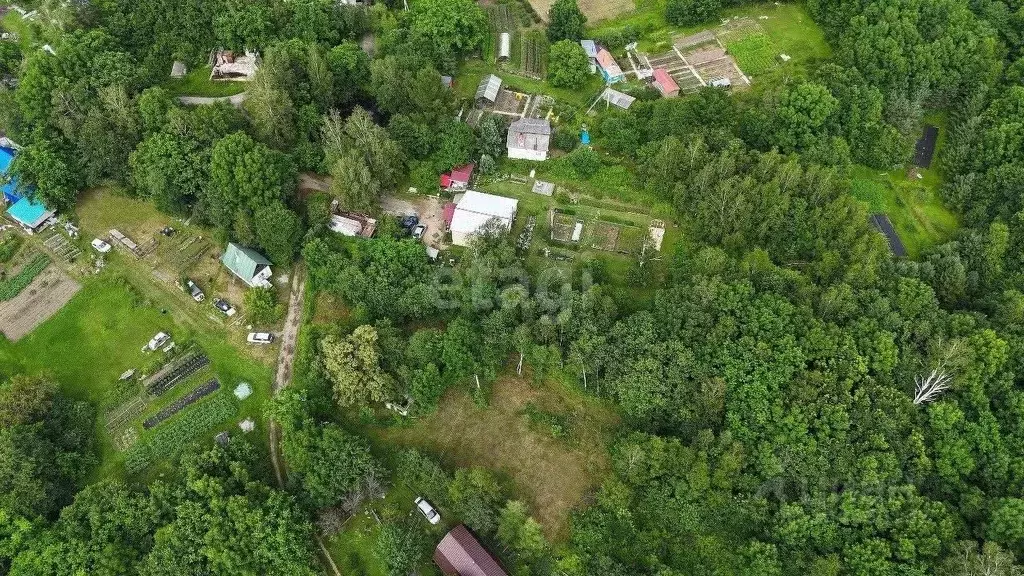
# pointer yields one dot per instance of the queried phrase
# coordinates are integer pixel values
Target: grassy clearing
(197, 83)
(787, 28)
(913, 204)
(473, 71)
(99, 335)
(552, 474)
(914, 207)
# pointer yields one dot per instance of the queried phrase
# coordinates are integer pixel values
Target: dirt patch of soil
(40, 300)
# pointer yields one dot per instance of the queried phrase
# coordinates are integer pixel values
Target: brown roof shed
(461, 554)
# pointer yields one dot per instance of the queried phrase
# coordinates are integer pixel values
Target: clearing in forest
(516, 435)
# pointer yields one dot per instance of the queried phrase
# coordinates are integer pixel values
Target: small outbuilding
(489, 88)
(30, 214)
(590, 48)
(504, 46)
(252, 267)
(458, 178)
(665, 84)
(616, 98)
(529, 139)
(460, 554)
(178, 69)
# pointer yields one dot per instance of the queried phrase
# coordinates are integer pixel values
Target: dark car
(410, 222)
(224, 306)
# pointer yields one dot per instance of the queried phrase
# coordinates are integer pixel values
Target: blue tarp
(585, 138)
(10, 189)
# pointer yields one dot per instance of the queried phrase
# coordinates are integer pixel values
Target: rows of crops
(166, 379)
(534, 53)
(168, 440)
(14, 285)
(181, 403)
(9, 247)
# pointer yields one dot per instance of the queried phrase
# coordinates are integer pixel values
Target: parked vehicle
(100, 246)
(157, 341)
(224, 306)
(409, 222)
(195, 291)
(428, 511)
(419, 231)
(260, 338)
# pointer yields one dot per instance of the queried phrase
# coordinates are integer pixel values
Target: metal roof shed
(617, 98)
(29, 213)
(249, 265)
(488, 89)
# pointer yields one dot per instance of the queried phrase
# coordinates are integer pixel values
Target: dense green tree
(245, 175)
(565, 21)
(354, 365)
(449, 28)
(278, 231)
(803, 111)
(330, 462)
(567, 64)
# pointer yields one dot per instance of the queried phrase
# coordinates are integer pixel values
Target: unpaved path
(286, 360)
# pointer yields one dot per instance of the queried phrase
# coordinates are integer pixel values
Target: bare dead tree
(928, 388)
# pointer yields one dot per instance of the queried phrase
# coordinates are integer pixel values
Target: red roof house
(665, 84)
(458, 178)
(461, 554)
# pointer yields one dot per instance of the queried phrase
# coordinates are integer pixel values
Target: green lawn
(197, 83)
(914, 207)
(100, 333)
(786, 28)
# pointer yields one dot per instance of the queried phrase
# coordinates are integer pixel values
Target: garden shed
(249, 265)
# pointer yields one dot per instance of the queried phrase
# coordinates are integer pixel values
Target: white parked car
(159, 340)
(100, 246)
(428, 511)
(260, 338)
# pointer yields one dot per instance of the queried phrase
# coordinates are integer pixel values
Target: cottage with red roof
(609, 67)
(461, 554)
(665, 84)
(458, 178)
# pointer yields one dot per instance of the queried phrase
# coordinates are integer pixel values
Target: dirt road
(286, 360)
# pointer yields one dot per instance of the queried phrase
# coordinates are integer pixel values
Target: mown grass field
(100, 333)
(197, 83)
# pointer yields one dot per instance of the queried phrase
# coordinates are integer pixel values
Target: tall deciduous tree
(565, 21)
(353, 364)
(567, 64)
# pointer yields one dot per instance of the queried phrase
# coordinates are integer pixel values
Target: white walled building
(529, 139)
(475, 210)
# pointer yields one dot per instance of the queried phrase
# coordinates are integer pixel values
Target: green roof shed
(249, 265)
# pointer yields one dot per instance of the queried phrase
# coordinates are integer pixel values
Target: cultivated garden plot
(41, 298)
(569, 229)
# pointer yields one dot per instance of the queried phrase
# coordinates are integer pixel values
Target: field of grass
(787, 28)
(913, 206)
(99, 335)
(553, 475)
(197, 83)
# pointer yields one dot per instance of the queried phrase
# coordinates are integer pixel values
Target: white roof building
(475, 210)
(529, 139)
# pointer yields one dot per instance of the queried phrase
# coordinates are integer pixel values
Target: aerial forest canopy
(789, 397)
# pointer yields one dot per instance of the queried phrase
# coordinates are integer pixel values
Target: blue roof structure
(585, 138)
(10, 188)
(29, 212)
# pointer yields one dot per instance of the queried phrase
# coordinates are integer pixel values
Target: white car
(260, 338)
(100, 246)
(428, 511)
(159, 340)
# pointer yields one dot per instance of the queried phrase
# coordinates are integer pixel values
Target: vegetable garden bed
(168, 377)
(181, 403)
(14, 285)
(170, 439)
